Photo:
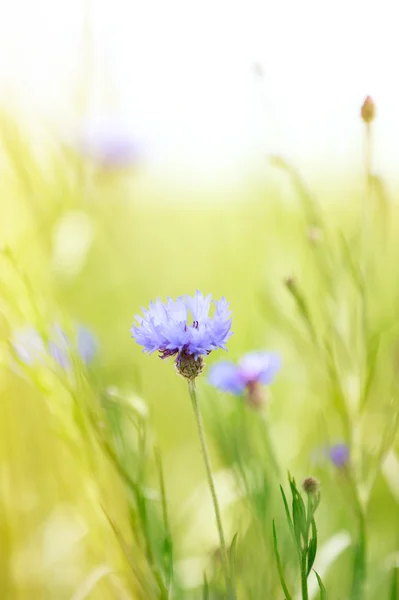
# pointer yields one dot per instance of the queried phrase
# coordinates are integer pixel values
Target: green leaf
(279, 565)
(122, 542)
(323, 591)
(232, 557)
(299, 514)
(312, 547)
(287, 512)
(205, 589)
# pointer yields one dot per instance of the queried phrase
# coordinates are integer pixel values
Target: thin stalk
(304, 576)
(165, 516)
(205, 453)
(359, 577)
(366, 226)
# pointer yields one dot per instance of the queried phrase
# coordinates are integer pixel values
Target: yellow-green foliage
(79, 244)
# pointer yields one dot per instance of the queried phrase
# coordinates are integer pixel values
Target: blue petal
(339, 454)
(259, 367)
(86, 343)
(225, 376)
(199, 306)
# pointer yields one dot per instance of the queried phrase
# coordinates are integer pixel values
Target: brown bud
(311, 486)
(368, 110)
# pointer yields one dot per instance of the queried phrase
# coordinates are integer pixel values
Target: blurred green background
(81, 242)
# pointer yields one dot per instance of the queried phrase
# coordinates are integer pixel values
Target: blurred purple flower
(338, 454)
(86, 344)
(253, 369)
(108, 142)
(183, 327)
(30, 346)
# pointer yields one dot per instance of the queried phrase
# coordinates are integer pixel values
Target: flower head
(253, 370)
(31, 347)
(339, 455)
(184, 328)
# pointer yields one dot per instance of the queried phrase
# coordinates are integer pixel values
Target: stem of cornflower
(205, 453)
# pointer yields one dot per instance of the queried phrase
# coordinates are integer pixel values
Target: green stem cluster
(304, 534)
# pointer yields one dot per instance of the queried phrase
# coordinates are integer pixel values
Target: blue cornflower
(339, 455)
(184, 328)
(253, 370)
(31, 347)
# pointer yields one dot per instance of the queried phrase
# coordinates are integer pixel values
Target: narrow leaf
(287, 512)
(323, 591)
(232, 558)
(299, 514)
(205, 589)
(122, 542)
(279, 565)
(312, 547)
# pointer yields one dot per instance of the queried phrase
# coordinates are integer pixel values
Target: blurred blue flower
(183, 327)
(253, 369)
(30, 346)
(339, 454)
(108, 142)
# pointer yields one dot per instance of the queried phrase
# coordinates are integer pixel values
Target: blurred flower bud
(311, 486)
(368, 110)
(290, 282)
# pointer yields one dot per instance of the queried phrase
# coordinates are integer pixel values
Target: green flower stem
(304, 576)
(205, 453)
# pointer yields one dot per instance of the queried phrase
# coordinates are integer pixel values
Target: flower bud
(310, 486)
(367, 112)
(290, 282)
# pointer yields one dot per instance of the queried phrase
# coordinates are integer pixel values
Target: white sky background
(179, 74)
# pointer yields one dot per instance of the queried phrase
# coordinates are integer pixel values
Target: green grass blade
(279, 565)
(323, 591)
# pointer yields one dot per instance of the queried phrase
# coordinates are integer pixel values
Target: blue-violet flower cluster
(185, 329)
(253, 370)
